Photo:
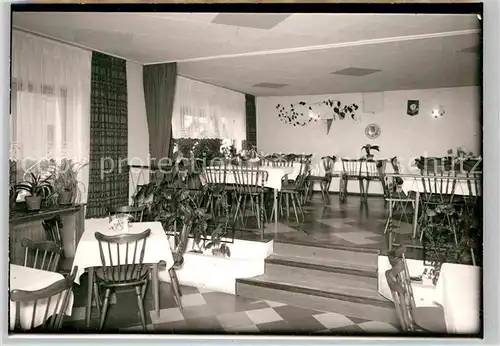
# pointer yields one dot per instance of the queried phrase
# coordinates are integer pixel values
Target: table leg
(90, 290)
(415, 216)
(275, 205)
(156, 288)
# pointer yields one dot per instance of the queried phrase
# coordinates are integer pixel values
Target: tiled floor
(350, 224)
(214, 312)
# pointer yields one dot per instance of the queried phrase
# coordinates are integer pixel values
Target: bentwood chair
(374, 171)
(50, 302)
(135, 212)
(122, 259)
(294, 192)
(43, 255)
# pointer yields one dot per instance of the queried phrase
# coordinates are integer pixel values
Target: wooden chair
(295, 192)
(136, 212)
(54, 298)
(122, 259)
(249, 187)
(351, 170)
(43, 255)
(412, 318)
(52, 228)
(374, 171)
(178, 263)
(325, 181)
(216, 189)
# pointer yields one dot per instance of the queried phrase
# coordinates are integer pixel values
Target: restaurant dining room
(245, 173)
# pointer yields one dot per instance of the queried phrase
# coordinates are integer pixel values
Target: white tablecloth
(29, 279)
(87, 253)
(458, 291)
(461, 186)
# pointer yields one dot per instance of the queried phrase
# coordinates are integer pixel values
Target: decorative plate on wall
(372, 131)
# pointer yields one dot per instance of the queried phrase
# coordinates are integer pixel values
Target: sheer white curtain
(202, 110)
(50, 103)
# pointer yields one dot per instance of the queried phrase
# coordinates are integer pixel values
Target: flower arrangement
(120, 223)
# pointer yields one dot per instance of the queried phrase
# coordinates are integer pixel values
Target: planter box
(220, 273)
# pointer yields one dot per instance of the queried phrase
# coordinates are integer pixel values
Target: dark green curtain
(251, 120)
(159, 92)
(109, 176)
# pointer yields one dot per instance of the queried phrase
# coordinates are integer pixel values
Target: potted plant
(66, 180)
(368, 148)
(38, 188)
(218, 247)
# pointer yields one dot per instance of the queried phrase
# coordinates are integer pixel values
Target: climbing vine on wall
(299, 114)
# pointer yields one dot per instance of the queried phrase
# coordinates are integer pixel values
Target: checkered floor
(214, 312)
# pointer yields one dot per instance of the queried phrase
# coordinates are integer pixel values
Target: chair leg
(140, 304)
(294, 197)
(175, 287)
(97, 298)
(287, 201)
(104, 307)
(144, 289)
(238, 206)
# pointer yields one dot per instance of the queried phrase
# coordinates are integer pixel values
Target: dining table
(30, 279)
(457, 291)
(87, 255)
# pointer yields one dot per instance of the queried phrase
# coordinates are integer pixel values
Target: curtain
(50, 104)
(202, 110)
(251, 120)
(109, 176)
(159, 92)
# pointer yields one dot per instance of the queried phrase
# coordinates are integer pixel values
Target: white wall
(402, 135)
(138, 135)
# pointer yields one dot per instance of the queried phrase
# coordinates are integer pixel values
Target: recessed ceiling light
(270, 85)
(355, 71)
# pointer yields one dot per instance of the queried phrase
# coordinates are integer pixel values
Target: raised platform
(220, 273)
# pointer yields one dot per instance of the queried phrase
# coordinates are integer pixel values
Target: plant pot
(33, 203)
(369, 157)
(65, 197)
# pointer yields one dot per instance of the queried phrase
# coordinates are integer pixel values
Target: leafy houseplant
(368, 148)
(218, 247)
(66, 180)
(39, 188)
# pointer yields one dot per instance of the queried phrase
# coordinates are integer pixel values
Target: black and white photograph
(246, 170)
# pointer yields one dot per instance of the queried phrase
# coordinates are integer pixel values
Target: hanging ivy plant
(295, 117)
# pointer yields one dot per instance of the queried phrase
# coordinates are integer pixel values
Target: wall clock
(372, 131)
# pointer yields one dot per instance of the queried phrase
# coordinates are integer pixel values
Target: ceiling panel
(161, 37)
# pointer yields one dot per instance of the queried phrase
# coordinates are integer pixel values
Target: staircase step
(337, 253)
(330, 265)
(355, 303)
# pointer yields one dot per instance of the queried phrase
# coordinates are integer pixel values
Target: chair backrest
(53, 229)
(328, 164)
(283, 161)
(122, 256)
(439, 188)
(352, 167)
(135, 212)
(215, 176)
(49, 304)
(249, 180)
(43, 255)
(401, 300)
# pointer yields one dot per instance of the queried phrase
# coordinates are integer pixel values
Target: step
(337, 253)
(341, 278)
(322, 296)
(331, 265)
